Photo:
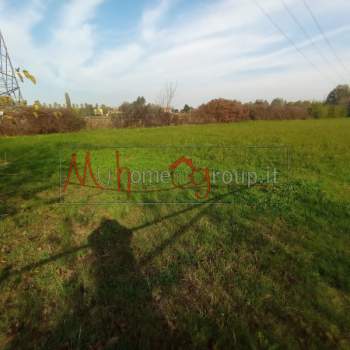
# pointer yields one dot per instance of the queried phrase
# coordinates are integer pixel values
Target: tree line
(139, 113)
(41, 118)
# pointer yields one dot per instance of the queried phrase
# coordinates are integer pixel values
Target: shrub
(339, 111)
(6, 101)
(30, 120)
(221, 110)
(138, 114)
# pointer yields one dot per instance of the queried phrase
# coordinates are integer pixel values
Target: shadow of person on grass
(120, 313)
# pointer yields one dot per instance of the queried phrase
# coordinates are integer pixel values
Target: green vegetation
(142, 114)
(6, 101)
(270, 271)
(339, 95)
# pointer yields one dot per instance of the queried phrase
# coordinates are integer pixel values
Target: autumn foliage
(32, 120)
(141, 114)
(38, 119)
(222, 111)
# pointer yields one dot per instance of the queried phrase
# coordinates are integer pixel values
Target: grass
(270, 270)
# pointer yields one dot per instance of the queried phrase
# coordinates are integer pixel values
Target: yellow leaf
(20, 76)
(29, 76)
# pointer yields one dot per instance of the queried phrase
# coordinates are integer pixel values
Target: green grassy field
(265, 267)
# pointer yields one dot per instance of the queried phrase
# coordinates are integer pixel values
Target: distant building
(98, 112)
(113, 112)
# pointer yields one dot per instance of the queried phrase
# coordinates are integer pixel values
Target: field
(265, 266)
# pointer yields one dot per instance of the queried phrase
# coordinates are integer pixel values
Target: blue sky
(109, 51)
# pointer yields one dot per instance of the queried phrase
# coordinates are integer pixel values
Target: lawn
(265, 266)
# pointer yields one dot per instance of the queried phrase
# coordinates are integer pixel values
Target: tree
(88, 110)
(340, 95)
(319, 110)
(222, 110)
(68, 100)
(187, 109)
(278, 102)
(140, 113)
(140, 101)
(167, 95)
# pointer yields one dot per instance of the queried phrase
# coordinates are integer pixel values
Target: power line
(329, 44)
(309, 37)
(290, 40)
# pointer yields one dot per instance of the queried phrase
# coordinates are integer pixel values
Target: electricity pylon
(8, 80)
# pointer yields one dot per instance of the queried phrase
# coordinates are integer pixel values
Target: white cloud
(226, 48)
(152, 17)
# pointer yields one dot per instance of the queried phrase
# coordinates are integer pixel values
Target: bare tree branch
(167, 95)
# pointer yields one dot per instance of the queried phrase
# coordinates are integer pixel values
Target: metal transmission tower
(8, 80)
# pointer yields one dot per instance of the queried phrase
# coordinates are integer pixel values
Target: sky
(111, 51)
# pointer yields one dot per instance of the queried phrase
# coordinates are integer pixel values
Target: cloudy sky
(109, 51)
